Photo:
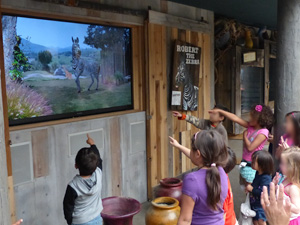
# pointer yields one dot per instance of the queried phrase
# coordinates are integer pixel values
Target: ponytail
(213, 183)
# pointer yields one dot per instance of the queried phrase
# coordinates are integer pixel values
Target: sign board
(185, 79)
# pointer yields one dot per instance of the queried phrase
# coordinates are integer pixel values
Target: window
(252, 87)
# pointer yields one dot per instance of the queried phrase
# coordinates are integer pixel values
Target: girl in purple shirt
(204, 191)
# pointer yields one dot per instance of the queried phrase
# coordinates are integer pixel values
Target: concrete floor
(238, 194)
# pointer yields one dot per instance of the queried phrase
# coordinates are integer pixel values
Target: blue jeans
(96, 221)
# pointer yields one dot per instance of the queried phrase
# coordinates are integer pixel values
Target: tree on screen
(109, 40)
(20, 63)
(104, 37)
(45, 57)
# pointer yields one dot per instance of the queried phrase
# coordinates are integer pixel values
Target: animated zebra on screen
(79, 65)
(190, 92)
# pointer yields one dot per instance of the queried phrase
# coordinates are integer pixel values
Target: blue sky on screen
(50, 33)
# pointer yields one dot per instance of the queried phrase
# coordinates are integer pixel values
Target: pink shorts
(295, 221)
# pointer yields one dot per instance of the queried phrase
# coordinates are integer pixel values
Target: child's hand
(249, 188)
(174, 142)
(276, 179)
(277, 210)
(284, 145)
(89, 140)
(18, 222)
(177, 114)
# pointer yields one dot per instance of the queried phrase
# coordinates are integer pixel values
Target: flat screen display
(59, 69)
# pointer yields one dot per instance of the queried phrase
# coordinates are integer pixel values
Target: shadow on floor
(238, 194)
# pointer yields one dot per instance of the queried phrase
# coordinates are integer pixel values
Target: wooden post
(5, 216)
(288, 57)
(5, 160)
(164, 6)
(4, 139)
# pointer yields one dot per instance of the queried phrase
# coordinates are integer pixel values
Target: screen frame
(80, 114)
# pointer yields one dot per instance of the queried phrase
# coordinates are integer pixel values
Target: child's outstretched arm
(197, 122)
(231, 116)
(91, 142)
(251, 146)
(183, 149)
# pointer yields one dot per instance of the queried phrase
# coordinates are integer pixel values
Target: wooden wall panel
(123, 154)
(160, 39)
(138, 55)
(40, 153)
(115, 148)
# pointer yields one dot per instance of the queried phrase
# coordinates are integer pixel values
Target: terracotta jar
(169, 187)
(164, 211)
(119, 210)
(248, 39)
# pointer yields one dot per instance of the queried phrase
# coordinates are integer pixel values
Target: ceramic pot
(119, 211)
(248, 39)
(163, 211)
(169, 187)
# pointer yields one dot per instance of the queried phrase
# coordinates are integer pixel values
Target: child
(215, 121)
(289, 139)
(230, 217)
(255, 137)
(290, 167)
(262, 162)
(204, 191)
(82, 202)
(292, 135)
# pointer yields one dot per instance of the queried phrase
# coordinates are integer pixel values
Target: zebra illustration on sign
(190, 92)
(79, 65)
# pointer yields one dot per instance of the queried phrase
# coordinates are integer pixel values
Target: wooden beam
(267, 71)
(238, 94)
(164, 6)
(11, 195)
(179, 22)
(62, 12)
(206, 72)
(136, 68)
(151, 114)
(71, 120)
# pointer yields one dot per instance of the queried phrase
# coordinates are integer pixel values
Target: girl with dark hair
(262, 162)
(255, 137)
(204, 191)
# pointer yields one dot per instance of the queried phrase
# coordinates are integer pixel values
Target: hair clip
(293, 114)
(258, 108)
(196, 135)
(213, 165)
